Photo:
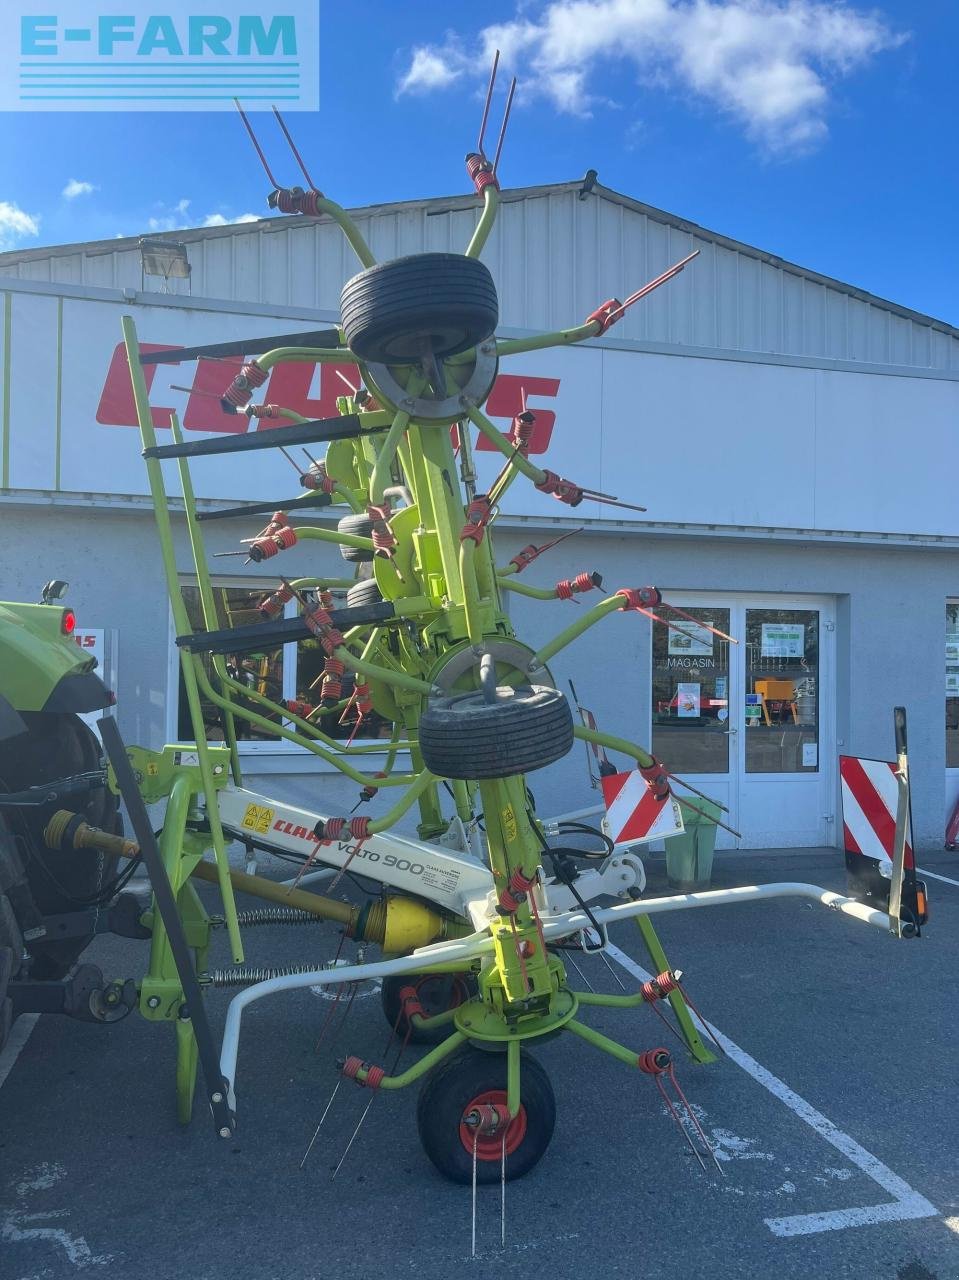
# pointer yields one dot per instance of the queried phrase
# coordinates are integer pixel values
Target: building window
(285, 674)
(952, 684)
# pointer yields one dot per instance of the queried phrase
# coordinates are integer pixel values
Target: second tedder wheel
(366, 591)
(466, 735)
(456, 1096)
(439, 303)
(437, 993)
(362, 527)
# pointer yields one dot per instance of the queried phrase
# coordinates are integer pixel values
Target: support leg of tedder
(479, 909)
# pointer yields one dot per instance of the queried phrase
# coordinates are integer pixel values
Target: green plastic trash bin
(689, 856)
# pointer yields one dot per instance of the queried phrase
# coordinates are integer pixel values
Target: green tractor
(54, 896)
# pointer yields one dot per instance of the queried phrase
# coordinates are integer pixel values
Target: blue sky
(822, 132)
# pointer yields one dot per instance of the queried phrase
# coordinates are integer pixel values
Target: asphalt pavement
(832, 1116)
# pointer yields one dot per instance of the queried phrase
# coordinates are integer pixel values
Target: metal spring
(245, 975)
(276, 915)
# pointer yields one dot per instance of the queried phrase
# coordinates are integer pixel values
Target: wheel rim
(427, 991)
(491, 1147)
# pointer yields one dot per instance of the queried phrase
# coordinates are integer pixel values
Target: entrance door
(751, 724)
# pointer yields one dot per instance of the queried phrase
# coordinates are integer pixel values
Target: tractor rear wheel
(466, 736)
(428, 303)
(60, 881)
(449, 1105)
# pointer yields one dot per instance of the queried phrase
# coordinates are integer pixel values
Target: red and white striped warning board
(870, 794)
(633, 814)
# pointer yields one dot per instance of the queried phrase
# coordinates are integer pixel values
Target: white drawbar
(476, 945)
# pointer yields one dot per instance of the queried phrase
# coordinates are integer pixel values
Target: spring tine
(689, 618)
(259, 149)
(615, 502)
(702, 795)
(326, 1112)
(489, 99)
(473, 1245)
(313, 461)
(299, 159)
(502, 132)
(605, 960)
(502, 1191)
(359, 1125)
(343, 378)
(581, 973)
(725, 826)
(682, 1128)
(195, 391)
(692, 1115)
(668, 274)
(291, 460)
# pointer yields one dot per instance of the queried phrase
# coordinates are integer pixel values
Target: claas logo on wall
(311, 390)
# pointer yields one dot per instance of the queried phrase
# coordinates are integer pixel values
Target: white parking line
(934, 875)
(906, 1203)
(18, 1037)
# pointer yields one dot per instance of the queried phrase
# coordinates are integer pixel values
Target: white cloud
(432, 69)
(76, 188)
(767, 64)
(218, 220)
(16, 225)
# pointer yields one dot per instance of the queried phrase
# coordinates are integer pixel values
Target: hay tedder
(480, 916)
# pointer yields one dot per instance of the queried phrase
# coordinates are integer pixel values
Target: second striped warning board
(633, 814)
(870, 794)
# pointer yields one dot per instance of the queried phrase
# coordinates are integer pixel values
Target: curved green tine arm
(182, 624)
(627, 748)
(405, 802)
(485, 224)
(310, 744)
(521, 588)
(348, 227)
(587, 619)
(559, 338)
(505, 446)
(317, 533)
(381, 477)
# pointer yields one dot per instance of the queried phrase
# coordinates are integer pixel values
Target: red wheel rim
(491, 1147)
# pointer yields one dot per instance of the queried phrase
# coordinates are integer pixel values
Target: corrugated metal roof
(555, 255)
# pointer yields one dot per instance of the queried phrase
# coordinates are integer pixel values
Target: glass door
(786, 779)
(751, 724)
(691, 700)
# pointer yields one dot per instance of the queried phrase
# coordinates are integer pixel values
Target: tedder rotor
(480, 913)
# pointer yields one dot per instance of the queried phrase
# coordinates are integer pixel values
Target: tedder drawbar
(480, 917)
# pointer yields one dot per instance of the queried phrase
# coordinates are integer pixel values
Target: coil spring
(275, 915)
(246, 975)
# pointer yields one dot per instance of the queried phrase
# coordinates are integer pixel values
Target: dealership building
(791, 437)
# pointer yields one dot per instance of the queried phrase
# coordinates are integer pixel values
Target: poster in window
(783, 640)
(692, 640)
(687, 700)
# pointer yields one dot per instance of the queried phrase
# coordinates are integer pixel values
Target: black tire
(366, 591)
(464, 736)
(58, 746)
(466, 1077)
(362, 527)
(441, 301)
(437, 992)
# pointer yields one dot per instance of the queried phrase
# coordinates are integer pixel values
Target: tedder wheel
(469, 1079)
(366, 591)
(362, 526)
(439, 303)
(466, 736)
(437, 992)
(58, 746)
